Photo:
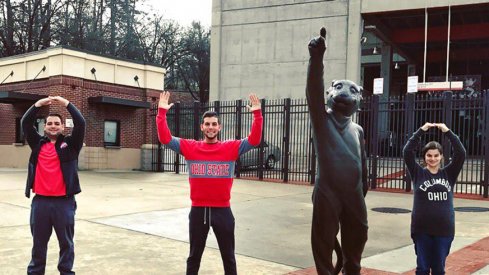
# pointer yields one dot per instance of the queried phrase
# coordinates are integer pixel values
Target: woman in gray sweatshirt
(433, 218)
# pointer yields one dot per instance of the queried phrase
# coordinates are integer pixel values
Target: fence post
(217, 108)
(375, 140)
(239, 104)
(196, 120)
(159, 148)
(260, 155)
(448, 120)
(177, 133)
(286, 149)
(486, 143)
(159, 161)
(409, 130)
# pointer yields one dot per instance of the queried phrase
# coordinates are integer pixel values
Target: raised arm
(315, 82)
(254, 138)
(409, 150)
(78, 133)
(27, 121)
(164, 134)
(459, 153)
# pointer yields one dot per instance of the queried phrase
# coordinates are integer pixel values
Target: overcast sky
(182, 11)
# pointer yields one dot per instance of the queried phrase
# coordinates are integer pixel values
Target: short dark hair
(432, 145)
(54, 114)
(211, 114)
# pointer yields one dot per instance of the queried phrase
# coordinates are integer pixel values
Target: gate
(286, 152)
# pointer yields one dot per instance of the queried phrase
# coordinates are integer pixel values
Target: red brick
(137, 126)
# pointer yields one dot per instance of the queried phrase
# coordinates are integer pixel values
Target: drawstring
(210, 221)
(205, 218)
(205, 214)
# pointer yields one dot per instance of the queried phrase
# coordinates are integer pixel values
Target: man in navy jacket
(53, 177)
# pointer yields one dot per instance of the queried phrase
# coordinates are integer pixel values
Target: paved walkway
(136, 223)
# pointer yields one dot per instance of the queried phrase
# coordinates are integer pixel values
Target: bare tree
(193, 68)
(118, 29)
(113, 18)
(7, 27)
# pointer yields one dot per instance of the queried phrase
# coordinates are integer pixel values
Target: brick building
(114, 96)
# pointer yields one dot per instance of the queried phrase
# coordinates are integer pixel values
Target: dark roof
(15, 97)
(119, 101)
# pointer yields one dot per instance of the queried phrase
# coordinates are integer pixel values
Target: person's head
(432, 155)
(210, 126)
(54, 126)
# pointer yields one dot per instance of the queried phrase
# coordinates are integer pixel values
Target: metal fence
(286, 153)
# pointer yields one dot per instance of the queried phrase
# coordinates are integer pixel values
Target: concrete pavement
(137, 223)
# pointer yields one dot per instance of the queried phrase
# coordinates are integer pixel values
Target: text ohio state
(210, 169)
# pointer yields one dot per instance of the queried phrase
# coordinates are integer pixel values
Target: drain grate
(391, 210)
(471, 209)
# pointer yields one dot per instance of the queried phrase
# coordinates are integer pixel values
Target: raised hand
(322, 32)
(442, 127)
(163, 103)
(427, 126)
(255, 103)
(317, 45)
(44, 102)
(60, 99)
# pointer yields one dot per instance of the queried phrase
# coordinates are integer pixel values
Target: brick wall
(8, 115)
(10, 112)
(135, 123)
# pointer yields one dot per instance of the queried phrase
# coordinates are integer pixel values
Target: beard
(211, 137)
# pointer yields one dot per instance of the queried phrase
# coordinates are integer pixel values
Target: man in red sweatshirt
(210, 164)
(53, 177)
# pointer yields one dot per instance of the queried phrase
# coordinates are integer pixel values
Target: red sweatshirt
(210, 165)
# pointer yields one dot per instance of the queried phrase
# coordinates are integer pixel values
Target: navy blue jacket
(433, 211)
(68, 153)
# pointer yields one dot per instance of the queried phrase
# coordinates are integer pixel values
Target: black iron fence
(286, 153)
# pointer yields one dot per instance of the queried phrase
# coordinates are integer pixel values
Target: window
(111, 133)
(40, 123)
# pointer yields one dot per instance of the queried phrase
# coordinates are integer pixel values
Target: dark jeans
(431, 252)
(221, 220)
(46, 213)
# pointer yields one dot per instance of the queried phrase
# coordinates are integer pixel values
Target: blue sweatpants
(48, 213)
(221, 220)
(431, 252)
